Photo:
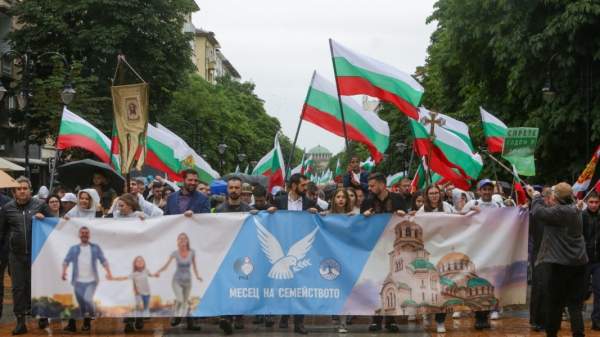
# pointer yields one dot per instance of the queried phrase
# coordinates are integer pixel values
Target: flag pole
(337, 86)
(503, 166)
(291, 155)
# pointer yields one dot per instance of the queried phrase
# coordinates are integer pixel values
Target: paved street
(515, 326)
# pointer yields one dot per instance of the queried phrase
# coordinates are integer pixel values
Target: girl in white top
(141, 286)
(433, 201)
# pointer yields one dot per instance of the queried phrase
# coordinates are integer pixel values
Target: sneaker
(342, 330)
(495, 315)
(375, 327)
(129, 327)
(456, 314)
(70, 327)
(441, 328)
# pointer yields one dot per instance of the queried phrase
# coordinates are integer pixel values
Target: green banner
(519, 149)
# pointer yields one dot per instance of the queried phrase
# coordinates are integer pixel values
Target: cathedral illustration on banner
(414, 286)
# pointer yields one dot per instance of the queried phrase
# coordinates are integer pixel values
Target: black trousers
(565, 286)
(20, 272)
(298, 319)
(537, 306)
(3, 267)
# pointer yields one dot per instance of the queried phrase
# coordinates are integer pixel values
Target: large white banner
(281, 263)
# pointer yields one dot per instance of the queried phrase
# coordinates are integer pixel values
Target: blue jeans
(84, 293)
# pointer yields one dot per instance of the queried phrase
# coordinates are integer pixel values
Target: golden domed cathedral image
(415, 286)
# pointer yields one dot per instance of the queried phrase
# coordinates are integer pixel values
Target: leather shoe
(392, 327)
(191, 325)
(375, 327)
(71, 326)
(226, 326)
(87, 324)
(175, 321)
(42, 323)
(299, 329)
(20, 328)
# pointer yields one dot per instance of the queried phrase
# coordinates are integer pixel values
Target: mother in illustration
(185, 259)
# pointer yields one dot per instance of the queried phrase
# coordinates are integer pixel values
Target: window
(408, 233)
(423, 295)
(399, 264)
(422, 284)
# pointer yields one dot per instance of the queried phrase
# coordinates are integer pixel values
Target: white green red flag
(338, 169)
(308, 168)
(494, 130)
(395, 178)
(451, 124)
(77, 132)
(300, 168)
(358, 74)
(367, 165)
(160, 154)
(188, 158)
(272, 166)
(585, 178)
(419, 181)
(322, 108)
(448, 155)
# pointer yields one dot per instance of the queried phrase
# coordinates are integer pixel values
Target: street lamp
(25, 94)
(241, 157)
(221, 148)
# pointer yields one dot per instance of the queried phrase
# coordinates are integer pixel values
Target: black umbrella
(80, 173)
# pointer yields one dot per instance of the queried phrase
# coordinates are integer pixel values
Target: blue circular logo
(330, 269)
(243, 267)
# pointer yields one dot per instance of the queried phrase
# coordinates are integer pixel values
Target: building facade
(209, 60)
(320, 156)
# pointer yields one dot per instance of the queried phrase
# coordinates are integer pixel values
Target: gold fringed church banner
(130, 107)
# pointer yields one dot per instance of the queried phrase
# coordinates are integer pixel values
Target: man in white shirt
(84, 277)
(486, 191)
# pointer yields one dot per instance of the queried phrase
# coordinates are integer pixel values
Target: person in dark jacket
(380, 200)
(15, 223)
(538, 276)
(563, 249)
(591, 232)
(294, 200)
(3, 253)
(355, 177)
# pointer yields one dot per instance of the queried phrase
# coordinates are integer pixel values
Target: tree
(228, 112)
(500, 54)
(92, 33)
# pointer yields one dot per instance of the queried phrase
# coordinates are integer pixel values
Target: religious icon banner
(130, 107)
(281, 263)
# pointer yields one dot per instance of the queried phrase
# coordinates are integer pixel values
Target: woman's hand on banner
(199, 278)
(39, 216)
(188, 214)
(400, 212)
(271, 209)
(312, 210)
(368, 212)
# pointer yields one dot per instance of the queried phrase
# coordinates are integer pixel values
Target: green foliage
(229, 112)
(500, 54)
(91, 33)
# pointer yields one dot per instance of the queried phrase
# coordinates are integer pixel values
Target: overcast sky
(277, 45)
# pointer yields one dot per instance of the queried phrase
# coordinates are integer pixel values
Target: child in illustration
(141, 286)
(185, 259)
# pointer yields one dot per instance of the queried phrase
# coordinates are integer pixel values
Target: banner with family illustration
(281, 263)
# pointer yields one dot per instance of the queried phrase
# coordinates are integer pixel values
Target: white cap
(69, 197)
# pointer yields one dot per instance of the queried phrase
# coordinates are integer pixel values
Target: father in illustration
(85, 257)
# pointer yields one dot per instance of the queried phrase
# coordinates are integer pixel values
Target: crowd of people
(564, 236)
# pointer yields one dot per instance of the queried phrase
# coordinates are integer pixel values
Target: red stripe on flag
(441, 165)
(332, 124)
(68, 141)
(350, 86)
(494, 144)
(153, 161)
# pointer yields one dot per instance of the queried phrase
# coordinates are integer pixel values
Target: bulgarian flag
(585, 179)
(419, 181)
(300, 167)
(367, 165)
(161, 153)
(322, 108)
(338, 169)
(448, 155)
(77, 132)
(518, 187)
(272, 166)
(395, 178)
(308, 167)
(362, 75)
(189, 159)
(494, 130)
(451, 124)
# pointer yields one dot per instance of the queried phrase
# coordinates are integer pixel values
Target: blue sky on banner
(277, 45)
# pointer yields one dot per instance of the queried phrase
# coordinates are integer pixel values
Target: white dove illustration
(284, 266)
